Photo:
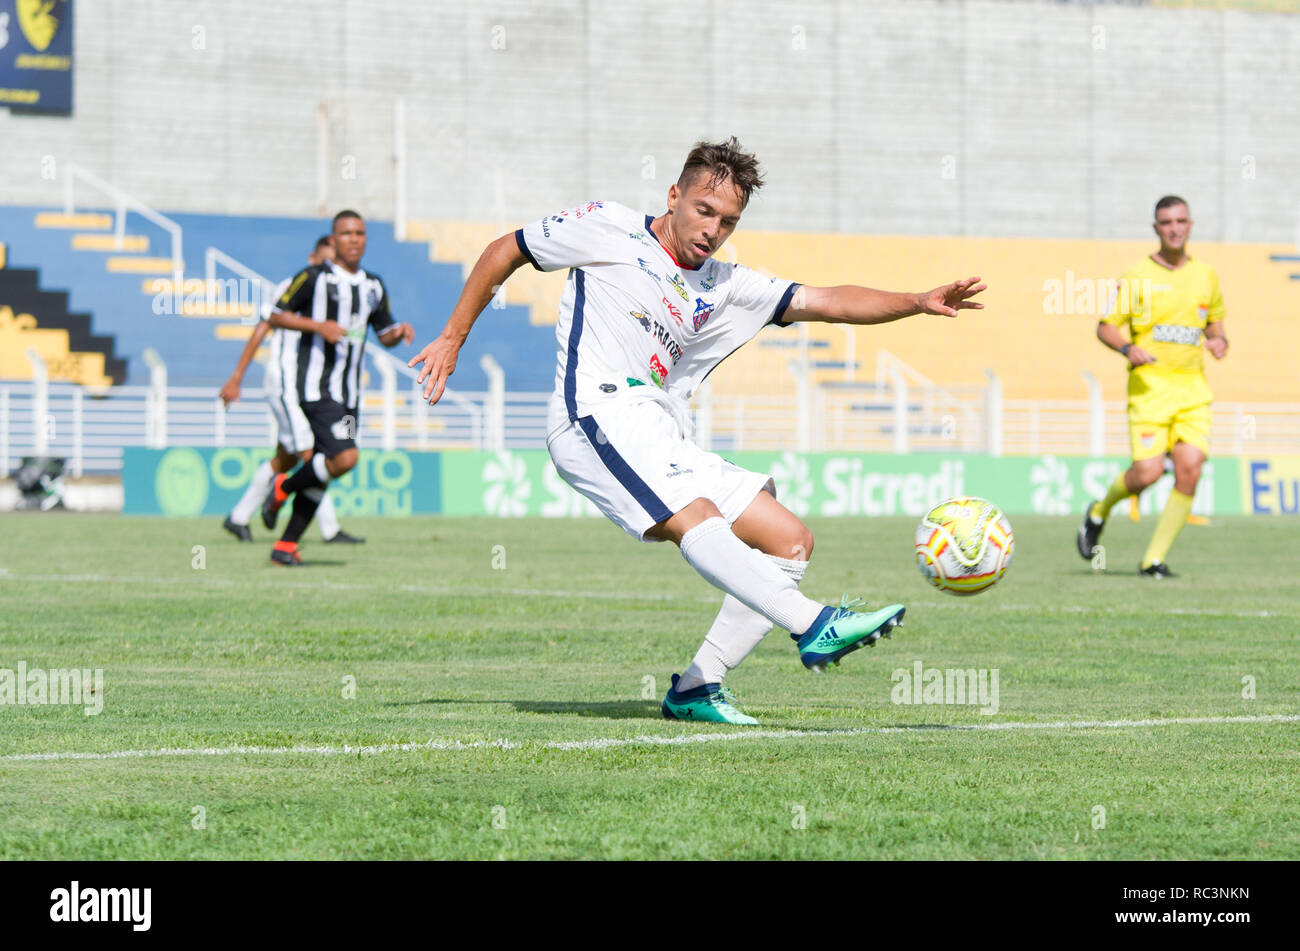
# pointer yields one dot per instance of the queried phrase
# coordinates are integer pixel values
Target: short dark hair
(323, 241)
(723, 161)
(1168, 202)
(345, 213)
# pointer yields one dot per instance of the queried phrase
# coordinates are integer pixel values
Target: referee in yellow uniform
(1171, 306)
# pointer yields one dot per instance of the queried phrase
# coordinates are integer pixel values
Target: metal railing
(123, 203)
(91, 427)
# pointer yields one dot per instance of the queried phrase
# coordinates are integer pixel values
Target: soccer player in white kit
(647, 313)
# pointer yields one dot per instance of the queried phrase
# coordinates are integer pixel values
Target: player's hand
(1217, 346)
(404, 333)
(1138, 357)
(331, 331)
(439, 359)
(229, 392)
(950, 298)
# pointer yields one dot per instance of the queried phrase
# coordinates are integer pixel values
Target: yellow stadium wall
(1037, 354)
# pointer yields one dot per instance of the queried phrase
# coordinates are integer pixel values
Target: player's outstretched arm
(501, 259)
(229, 392)
(850, 304)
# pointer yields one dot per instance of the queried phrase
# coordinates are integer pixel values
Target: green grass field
(570, 637)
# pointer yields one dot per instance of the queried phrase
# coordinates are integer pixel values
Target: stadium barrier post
(1096, 417)
(40, 401)
(419, 415)
(993, 414)
(900, 412)
(157, 400)
(4, 432)
(495, 405)
(78, 443)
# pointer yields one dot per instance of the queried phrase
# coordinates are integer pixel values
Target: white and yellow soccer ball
(964, 545)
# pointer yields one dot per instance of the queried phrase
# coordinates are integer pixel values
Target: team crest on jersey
(373, 295)
(703, 311)
(680, 287)
(672, 309)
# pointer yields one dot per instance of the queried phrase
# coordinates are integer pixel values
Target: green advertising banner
(184, 481)
(524, 482)
(188, 482)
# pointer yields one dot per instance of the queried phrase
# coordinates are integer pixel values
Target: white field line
(280, 583)
(603, 743)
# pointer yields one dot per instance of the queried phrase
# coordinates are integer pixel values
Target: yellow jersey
(1166, 312)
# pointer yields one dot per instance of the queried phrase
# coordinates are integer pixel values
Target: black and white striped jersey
(311, 367)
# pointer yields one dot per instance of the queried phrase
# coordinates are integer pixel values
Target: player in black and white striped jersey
(331, 305)
(294, 440)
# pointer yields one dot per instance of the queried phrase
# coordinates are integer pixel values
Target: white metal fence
(90, 431)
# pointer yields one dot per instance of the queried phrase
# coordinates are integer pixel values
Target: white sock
(253, 496)
(327, 517)
(748, 575)
(736, 631)
(320, 465)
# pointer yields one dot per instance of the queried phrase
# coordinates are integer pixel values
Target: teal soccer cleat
(709, 703)
(840, 631)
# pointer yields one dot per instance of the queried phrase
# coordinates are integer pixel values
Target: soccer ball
(964, 545)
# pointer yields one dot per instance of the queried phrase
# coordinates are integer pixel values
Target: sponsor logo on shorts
(608, 387)
(1173, 333)
(633, 381)
(675, 470)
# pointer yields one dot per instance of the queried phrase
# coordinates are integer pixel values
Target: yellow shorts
(1155, 437)
(1165, 408)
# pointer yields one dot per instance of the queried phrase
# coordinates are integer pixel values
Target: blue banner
(36, 56)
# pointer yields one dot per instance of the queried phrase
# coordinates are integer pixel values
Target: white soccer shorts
(295, 433)
(633, 462)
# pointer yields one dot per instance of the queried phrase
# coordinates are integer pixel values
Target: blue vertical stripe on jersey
(620, 470)
(575, 334)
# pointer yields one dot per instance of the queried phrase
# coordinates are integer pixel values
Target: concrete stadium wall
(983, 117)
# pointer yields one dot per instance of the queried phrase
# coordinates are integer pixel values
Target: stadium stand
(126, 291)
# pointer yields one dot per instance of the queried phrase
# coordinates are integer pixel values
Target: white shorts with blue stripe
(633, 462)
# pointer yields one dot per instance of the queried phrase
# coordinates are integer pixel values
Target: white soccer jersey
(632, 317)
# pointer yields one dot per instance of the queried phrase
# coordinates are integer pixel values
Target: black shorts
(333, 426)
